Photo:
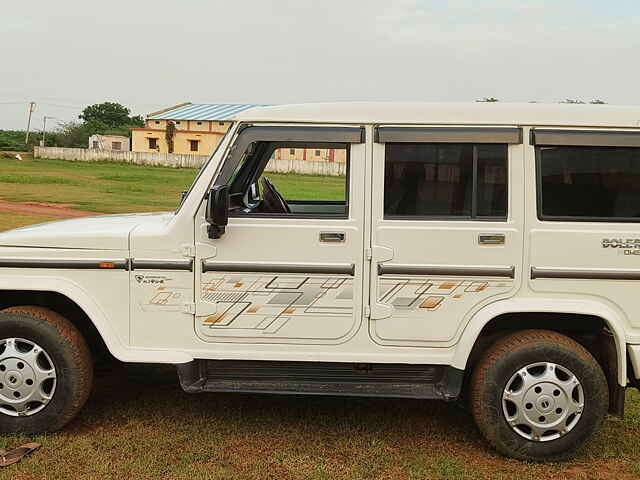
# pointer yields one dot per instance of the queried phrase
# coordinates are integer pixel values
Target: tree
(169, 134)
(111, 115)
(577, 101)
(488, 100)
(72, 135)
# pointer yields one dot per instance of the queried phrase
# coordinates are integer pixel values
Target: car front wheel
(45, 370)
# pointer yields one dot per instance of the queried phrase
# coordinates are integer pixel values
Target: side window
(440, 180)
(292, 179)
(588, 183)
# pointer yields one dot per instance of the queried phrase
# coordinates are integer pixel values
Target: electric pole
(44, 130)
(32, 107)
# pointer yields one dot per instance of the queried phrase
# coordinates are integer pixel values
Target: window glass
(589, 183)
(309, 188)
(437, 180)
(492, 181)
(309, 182)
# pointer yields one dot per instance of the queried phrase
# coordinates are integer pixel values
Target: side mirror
(217, 213)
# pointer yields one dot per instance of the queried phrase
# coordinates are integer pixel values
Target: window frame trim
(474, 135)
(539, 137)
(248, 133)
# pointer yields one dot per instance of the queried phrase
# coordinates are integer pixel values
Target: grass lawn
(10, 220)
(139, 424)
(109, 187)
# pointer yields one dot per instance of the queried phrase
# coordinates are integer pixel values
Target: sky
(67, 54)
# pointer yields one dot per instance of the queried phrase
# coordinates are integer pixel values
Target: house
(109, 142)
(197, 128)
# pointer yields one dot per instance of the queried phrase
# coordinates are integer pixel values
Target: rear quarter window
(589, 183)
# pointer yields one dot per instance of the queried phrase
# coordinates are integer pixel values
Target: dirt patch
(56, 210)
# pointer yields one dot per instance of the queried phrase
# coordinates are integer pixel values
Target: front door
(446, 229)
(289, 267)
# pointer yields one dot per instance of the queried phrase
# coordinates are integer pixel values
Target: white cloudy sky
(65, 54)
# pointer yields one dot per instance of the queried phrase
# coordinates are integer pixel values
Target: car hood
(105, 232)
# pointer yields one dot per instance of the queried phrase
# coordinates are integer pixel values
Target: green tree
(169, 135)
(577, 101)
(111, 115)
(72, 135)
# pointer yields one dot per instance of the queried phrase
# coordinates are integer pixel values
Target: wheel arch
(544, 306)
(26, 289)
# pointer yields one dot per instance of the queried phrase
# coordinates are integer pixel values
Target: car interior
(252, 192)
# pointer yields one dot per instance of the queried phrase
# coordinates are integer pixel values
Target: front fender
(76, 293)
(481, 318)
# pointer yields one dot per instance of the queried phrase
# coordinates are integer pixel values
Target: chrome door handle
(491, 238)
(332, 237)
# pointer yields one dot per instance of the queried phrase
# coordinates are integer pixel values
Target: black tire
(70, 356)
(516, 351)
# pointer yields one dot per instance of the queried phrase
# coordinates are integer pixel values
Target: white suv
(487, 251)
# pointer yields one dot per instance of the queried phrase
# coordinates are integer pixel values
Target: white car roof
(477, 113)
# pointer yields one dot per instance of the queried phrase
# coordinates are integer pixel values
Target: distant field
(108, 187)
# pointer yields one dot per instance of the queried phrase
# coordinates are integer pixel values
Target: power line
(74, 107)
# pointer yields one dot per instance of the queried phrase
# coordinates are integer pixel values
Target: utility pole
(44, 130)
(32, 107)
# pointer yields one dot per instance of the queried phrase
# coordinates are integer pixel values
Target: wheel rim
(543, 401)
(27, 377)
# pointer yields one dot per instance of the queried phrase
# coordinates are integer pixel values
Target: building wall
(184, 161)
(106, 142)
(330, 155)
(207, 141)
(208, 134)
(203, 126)
(160, 124)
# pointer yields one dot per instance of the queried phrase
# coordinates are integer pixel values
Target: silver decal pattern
(429, 294)
(262, 304)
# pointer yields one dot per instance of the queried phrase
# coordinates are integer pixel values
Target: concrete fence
(183, 161)
(138, 158)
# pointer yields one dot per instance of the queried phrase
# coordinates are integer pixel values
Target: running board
(322, 378)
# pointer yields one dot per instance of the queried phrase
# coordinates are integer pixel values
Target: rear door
(585, 231)
(281, 276)
(446, 229)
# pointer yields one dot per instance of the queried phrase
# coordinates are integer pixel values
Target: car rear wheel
(45, 370)
(538, 395)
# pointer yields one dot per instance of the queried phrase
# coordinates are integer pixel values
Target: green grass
(139, 424)
(308, 187)
(9, 220)
(37, 180)
(109, 187)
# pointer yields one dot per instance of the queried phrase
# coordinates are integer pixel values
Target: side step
(322, 378)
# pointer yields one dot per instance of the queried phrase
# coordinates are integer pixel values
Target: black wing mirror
(217, 213)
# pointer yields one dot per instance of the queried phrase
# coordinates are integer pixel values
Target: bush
(13, 140)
